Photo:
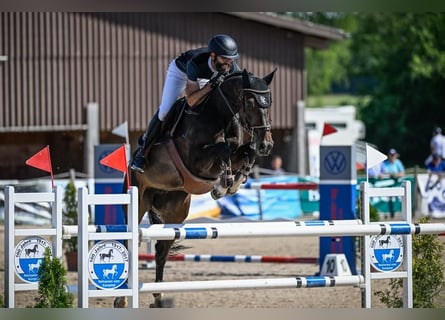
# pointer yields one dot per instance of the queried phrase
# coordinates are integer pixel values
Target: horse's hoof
(164, 303)
(215, 195)
(120, 302)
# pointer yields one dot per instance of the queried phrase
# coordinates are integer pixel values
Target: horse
(210, 148)
(387, 241)
(34, 267)
(34, 251)
(108, 255)
(112, 271)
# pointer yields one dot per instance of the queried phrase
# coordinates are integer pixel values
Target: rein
(244, 124)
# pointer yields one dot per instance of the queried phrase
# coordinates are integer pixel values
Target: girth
(192, 183)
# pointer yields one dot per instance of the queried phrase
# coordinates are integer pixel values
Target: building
(52, 64)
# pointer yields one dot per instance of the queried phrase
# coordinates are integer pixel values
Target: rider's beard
(221, 66)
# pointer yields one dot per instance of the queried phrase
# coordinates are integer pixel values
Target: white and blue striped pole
(249, 284)
(251, 230)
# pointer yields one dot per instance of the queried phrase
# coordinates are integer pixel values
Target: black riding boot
(145, 142)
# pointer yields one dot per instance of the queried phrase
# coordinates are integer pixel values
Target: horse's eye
(251, 103)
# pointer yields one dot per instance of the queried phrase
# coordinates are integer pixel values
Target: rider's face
(221, 63)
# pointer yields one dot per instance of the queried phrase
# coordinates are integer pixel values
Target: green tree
(404, 53)
(328, 67)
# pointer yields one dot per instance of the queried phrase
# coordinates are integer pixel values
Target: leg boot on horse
(145, 143)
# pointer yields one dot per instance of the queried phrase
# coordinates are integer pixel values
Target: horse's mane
(255, 82)
(237, 74)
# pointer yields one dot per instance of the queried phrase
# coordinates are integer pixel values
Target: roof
(293, 24)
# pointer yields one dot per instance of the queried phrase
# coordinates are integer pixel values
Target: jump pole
(72, 230)
(280, 186)
(231, 258)
(249, 284)
(230, 231)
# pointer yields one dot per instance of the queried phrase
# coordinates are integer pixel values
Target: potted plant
(70, 218)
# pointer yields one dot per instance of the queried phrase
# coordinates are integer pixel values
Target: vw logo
(335, 162)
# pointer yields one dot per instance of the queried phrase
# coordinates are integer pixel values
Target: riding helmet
(224, 46)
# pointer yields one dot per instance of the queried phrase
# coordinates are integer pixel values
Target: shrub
(428, 274)
(70, 214)
(52, 291)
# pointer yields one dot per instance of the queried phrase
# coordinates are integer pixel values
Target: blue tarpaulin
(275, 204)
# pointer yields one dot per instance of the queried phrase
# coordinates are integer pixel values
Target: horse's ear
(269, 77)
(246, 79)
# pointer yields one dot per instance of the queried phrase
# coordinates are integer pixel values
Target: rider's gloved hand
(217, 79)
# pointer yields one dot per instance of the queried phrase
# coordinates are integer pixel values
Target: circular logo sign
(386, 252)
(108, 264)
(28, 258)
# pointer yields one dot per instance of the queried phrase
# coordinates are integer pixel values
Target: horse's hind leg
(162, 250)
(174, 207)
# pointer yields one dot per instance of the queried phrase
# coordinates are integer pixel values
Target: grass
(335, 100)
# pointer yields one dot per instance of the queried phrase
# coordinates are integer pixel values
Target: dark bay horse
(212, 148)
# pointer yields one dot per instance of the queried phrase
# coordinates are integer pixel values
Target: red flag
(359, 166)
(117, 160)
(328, 129)
(42, 160)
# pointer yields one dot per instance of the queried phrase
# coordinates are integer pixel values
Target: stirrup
(138, 164)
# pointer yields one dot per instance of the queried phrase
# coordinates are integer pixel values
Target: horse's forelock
(258, 83)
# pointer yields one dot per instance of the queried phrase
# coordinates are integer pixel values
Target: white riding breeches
(174, 86)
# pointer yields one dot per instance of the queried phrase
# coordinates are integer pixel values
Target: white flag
(373, 157)
(121, 131)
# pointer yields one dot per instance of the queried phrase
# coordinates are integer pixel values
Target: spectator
(276, 164)
(436, 165)
(393, 166)
(437, 145)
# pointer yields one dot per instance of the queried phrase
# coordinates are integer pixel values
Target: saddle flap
(192, 183)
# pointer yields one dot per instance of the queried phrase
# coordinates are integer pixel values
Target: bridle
(257, 94)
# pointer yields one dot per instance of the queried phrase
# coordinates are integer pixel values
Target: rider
(189, 73)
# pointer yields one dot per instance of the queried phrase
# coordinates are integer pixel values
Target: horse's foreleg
(241, 176)
(225, 182)
(162, 250)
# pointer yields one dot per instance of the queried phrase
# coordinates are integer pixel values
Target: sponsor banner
(431, 189)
